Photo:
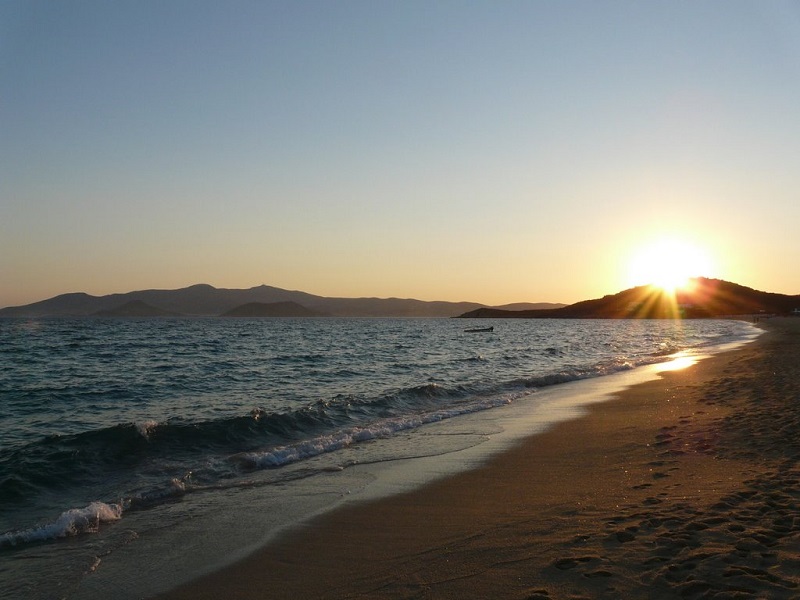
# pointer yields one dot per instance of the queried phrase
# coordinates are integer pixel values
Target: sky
(492, 152)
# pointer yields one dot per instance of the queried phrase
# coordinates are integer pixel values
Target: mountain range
(701, 298)
(704, 297)
(206, 300)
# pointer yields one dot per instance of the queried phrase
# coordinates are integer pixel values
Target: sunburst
(669, 265)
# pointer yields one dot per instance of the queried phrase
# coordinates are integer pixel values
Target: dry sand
(684, 487)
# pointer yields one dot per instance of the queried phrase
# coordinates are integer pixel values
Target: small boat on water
(479, 330)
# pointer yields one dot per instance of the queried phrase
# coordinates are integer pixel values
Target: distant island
(702, 298)
(203, 300)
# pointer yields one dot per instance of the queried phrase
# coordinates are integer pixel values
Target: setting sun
(669, 264)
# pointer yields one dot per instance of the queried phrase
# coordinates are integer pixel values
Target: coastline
(685, 485)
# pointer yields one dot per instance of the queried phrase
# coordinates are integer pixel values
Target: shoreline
(684, 485)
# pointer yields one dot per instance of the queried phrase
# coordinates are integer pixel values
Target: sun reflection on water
(678, 361)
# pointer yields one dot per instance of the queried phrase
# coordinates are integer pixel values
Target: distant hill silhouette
(530, 306)
(703, 298)
(206, 300)
(709, 298)
(273, 309)
(135, 308)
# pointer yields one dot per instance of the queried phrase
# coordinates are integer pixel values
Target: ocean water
(165, 445)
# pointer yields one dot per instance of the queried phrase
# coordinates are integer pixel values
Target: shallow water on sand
(126, 444)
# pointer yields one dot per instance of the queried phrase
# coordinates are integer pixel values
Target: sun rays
(669, 265)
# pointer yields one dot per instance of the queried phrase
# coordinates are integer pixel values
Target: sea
(136, 454)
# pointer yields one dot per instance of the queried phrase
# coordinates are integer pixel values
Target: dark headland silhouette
(702, 298)
(205, 300)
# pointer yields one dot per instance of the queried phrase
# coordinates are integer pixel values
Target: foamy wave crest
(145, 428)
(72, 522)
(284, 455)
(598, 370)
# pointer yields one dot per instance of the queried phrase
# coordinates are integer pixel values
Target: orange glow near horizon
(669, 265)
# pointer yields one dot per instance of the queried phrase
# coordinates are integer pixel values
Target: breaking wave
(71, 522)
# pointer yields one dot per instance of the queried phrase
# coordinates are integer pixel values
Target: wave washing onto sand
(100, 451)
(284, 455)
(325, 387)
(71, 522)
(87, 520)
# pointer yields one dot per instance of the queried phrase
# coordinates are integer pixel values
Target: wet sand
(683, 487)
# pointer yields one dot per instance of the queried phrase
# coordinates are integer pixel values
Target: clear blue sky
(484, 151)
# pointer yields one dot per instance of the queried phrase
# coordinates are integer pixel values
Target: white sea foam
(283, 455)
(145, 428)
(71, 522)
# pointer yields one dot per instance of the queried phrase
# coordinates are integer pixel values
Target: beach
(686, 486)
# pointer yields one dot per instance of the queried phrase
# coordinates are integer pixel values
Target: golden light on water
(679, 361)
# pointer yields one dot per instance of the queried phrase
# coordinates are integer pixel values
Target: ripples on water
(102, 416)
